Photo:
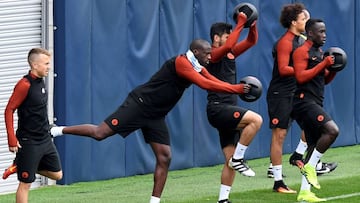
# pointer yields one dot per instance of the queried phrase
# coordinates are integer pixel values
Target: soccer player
(32, 142)
(321, 167)
(282, 87)
(312, 75)
(293, 17)
(147, 105)
(230, 120)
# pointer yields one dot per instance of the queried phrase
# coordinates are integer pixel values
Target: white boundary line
(344, 196)
(341, 196)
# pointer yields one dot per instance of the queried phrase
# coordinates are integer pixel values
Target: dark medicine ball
(255, 90)
(249, 10)
(340, 58)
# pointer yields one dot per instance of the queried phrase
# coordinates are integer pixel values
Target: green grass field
(202, 185)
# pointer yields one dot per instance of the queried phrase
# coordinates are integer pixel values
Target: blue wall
(105, 48)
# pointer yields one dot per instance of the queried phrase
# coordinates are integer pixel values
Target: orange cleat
(11, 170)
(285, 190)
(280, 187)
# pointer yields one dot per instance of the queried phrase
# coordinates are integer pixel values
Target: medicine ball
(249, 10)
(340, 58)
(255, 90)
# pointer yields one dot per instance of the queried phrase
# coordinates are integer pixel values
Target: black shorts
(280, 110)
(312, 117)
(32, 158)
(129, 117)
(225, 118)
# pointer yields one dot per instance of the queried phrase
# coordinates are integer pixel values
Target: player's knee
(58, 175)
(252, 120)
(24, 186)
(332, 129)
(164, 158)
(99, 135)
(334, 132)
(101, 132)
(52, 175)
(167, 158)
(258, 120)
(279, 138)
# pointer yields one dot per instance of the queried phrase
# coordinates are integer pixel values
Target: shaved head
(199, 44)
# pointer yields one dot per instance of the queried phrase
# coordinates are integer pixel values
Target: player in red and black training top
(32, 142)
(312, 75)
(282, 87)
(237, 126)
(147, 105)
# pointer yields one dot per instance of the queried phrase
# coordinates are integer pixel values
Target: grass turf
(202, 185)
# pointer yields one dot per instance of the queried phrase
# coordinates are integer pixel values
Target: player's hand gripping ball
(340, 58)
(255, 90)
(249, 10)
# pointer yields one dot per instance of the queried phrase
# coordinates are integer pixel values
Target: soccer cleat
(296, 160)
(280, 187)
(308, 196)
(322, 168)
(241, 166)
(310, 174)
(224, 201)
(11, 170)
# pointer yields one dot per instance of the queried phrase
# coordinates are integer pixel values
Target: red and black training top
(164, 89)
(29, 98)
(310, 72)
(223, 65)
(283, 82)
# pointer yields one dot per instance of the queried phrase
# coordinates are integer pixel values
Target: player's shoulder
(304, 47)
(287, 39)
(23, 83)
(285, 42)
(301, 51)
(181, 61)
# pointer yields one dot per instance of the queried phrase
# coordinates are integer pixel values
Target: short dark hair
(219, 29)
(310, 24)
(290, 13)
